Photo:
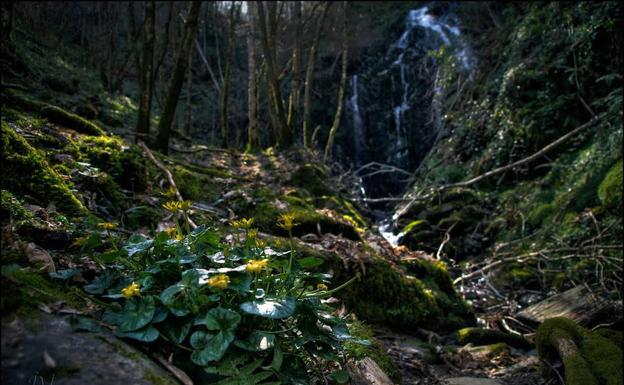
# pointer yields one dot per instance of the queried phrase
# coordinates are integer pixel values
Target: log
(578, 304)
(367, 372)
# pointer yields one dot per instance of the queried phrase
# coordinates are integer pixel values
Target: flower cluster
(257, 265)
(107, 225)
(219, 281)
(174, 206)
(132, 290)
(243, 223)
(286, 221)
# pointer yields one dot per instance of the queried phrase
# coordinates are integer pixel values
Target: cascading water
(415, 95)
(359, 131)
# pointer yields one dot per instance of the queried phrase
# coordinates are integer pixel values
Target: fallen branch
(198, 149)
(167, 174)
(508, 167)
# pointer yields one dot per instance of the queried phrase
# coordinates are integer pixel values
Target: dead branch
(167, 174)
(198, 149)
(508, 167)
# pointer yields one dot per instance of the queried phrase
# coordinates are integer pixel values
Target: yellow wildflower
(243, 223)
(286, 221)
(172, 206)
(131, 291)
(261, 243)
(220, 281)
(107, 225)
(179, 237)
(257, 265)
(184, 205)
(252, 233)
(169, 193)
(321, 286)
(278, 243)
(171, 231)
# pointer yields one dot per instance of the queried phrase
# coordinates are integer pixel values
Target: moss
(598, 360)
(11, 205)
(28, 173)
(312, 178)
(24, 289)
(610, 189)
(394, 299)
(479, 336)
(358, 350)
(54, 114)
(194, 186)
(540, 213)
(413, 225)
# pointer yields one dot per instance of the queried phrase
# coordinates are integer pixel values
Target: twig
(447, 237)
(167, 174)
(198, 149)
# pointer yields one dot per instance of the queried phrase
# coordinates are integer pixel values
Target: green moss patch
(610, 189)
(597, 360)
(479, 336)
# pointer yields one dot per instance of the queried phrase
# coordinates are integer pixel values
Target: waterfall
(359, 131)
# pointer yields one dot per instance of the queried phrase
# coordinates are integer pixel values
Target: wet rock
(48, 351)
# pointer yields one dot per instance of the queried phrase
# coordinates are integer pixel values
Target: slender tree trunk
(293, 103)
(164, 127)
(147, 76)
(189, 97)
(343, 82)
(269, 40)
(252, 86)
(225, 129)
(307, 94)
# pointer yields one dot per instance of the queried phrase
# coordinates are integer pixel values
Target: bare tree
(171, 102)
(146, 83)
(252, 87)
(225, 130)
(293, 105)
(307, 94)
(341, 91)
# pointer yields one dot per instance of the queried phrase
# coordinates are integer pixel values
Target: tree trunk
(268, 41)
(307, 94)
(171, 102)
(225, 129)
(293, 105)
(343, 82)
(252, 86)
(147, 76)
(189, 97)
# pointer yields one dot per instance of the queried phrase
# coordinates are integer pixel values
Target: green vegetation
(593, 359)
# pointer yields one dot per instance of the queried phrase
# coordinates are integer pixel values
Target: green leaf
(137, 313)
(310, 262)
(257, 341)
(146, 334)
(293, 371)
(278, 358)
(92, 242)
(79, 323)
(137, 243)
(160, 314)
(101, 283)
(65, 274)
(209, 347)
(340, 376)
(176, 329)
(112, 315)
(270, 308)
(220, 319)
(174, 298)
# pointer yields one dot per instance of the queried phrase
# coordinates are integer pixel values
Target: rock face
(51, 352)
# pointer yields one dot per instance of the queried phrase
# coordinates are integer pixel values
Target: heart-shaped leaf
(209, 347)
(137, 243)
(270, 308)
(146, 334)
(101, 283)
(220, 319)
(64, 274)
(137, 313)
(176, 329)
(174, 298)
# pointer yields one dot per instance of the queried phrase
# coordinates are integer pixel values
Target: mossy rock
(596, 359)
(479, 336)
(194, 186)
(28, 173)
(54, 114)
(541, 213)
(610, 189)
(312, 178)
(387, 296)
(358, 350)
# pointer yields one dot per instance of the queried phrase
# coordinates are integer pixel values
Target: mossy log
(588, 357)
(54, 114)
